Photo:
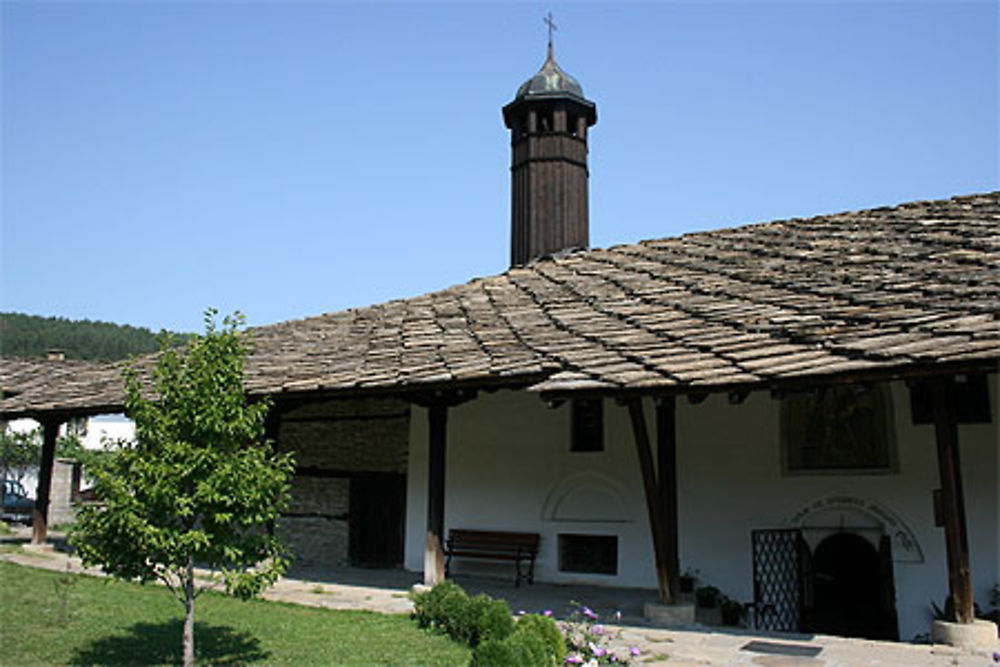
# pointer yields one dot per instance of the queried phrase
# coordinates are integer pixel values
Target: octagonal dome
(550, 80)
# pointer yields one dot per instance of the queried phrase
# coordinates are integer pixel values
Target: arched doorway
(852, 588)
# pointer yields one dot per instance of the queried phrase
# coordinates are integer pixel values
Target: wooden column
(952, 498)
(653, 499)
(437, 417)
(666, 460)
(40, 518)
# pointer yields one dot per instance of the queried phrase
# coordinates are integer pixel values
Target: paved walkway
(386, 591)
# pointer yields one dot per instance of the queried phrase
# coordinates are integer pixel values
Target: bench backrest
(492, 539)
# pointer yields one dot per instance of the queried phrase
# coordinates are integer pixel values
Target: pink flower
(634, 651)
(597, 651)
(574, 660)
(598, 629)
(547, 612)
(589, 613)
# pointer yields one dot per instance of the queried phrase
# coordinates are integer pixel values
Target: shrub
(546, 630)
(489, 619)
(432, 608)
(448, 608)
(525, 649)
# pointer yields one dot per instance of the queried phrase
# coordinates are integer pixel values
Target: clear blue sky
(290, 159)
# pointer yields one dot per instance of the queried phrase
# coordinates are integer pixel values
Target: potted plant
(732, 612)
(707, 596)
(687, 580)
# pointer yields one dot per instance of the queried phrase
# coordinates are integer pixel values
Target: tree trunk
(189, 614)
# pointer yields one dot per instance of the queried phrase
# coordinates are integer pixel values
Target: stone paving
(385, 591)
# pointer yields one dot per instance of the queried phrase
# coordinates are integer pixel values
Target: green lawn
(52, 618)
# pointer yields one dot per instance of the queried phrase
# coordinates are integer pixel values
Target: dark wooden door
(853, 585)
(377, 518)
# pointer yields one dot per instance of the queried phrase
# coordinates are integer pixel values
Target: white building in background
(94, 433)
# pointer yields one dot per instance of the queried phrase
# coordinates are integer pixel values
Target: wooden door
(376, 520)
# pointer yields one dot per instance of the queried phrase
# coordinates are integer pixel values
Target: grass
(61, 527)
(54, 618)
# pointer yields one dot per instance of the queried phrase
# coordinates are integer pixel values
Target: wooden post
(40, 518)
(437, 415)
(653, 508)
(952, 499)
(666, 460)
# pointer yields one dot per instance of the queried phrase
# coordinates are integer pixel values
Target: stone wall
(65, 486)
(332, 442)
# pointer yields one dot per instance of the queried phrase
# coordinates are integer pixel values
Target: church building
(804, 412)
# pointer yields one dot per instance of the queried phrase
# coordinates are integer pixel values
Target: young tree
(199, 485)
(19, 452)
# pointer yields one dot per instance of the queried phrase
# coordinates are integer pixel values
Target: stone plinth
(976, 635)
(669, 614)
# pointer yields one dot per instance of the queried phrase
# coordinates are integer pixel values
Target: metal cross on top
(552, 26)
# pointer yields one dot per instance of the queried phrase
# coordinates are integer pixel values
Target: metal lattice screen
(779, 563)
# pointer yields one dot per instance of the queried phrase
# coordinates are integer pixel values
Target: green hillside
(33, 336)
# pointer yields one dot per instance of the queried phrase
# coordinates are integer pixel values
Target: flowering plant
(589, 640)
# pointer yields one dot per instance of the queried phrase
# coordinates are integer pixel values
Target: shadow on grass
(160, 643)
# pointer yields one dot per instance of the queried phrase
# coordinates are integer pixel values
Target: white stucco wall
(509, 468)
(723, 498)
(509, 464)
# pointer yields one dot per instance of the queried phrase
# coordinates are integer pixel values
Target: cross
(552, 26)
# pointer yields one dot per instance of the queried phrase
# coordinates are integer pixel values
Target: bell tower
(548, 121)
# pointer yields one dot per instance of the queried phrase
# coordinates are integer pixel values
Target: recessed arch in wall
(865, 517)
(589, 497)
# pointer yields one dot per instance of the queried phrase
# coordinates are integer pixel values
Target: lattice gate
(781, 579)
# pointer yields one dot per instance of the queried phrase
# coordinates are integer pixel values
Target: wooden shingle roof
(46, 383)
(911, 288)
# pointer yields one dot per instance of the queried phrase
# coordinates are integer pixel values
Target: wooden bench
(494, 545)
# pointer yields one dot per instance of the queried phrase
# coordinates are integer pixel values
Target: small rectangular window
(971, 396)
(589, 554)
(588, 425)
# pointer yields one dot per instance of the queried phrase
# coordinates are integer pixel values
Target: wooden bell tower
(548, 121)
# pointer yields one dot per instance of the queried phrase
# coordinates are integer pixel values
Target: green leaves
(19, 452)
(200, 481)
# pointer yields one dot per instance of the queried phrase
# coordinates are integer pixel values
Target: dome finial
(552, 28)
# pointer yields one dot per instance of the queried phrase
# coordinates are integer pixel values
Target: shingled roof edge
(673, 314)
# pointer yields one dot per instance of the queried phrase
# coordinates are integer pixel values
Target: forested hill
(33, 336)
